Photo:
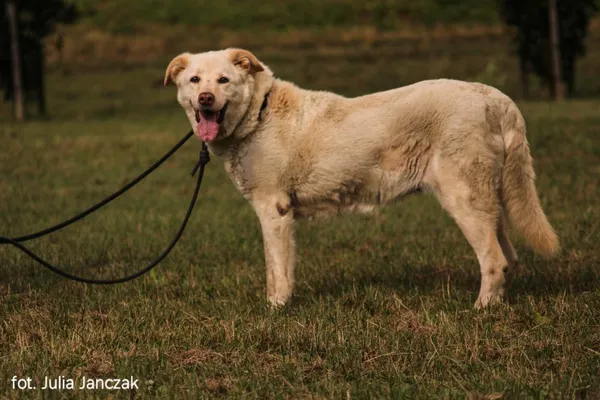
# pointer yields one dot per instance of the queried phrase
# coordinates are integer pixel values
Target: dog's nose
(206, 99)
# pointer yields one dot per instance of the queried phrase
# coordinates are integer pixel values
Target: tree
(558, 93)
(36, 19)
(15, 53)
(531, 18)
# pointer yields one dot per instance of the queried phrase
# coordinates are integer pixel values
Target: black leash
(204, 158)
(104, 202)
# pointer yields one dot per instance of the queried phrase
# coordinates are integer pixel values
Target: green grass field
(383, 306)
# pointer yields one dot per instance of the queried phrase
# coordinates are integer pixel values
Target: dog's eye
(194, 79)
(223, 80)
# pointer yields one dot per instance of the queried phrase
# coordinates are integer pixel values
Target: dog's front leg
(277, 223)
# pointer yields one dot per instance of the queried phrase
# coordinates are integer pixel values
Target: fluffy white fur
(313, 153)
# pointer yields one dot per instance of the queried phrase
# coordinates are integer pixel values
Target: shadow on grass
(532, 278)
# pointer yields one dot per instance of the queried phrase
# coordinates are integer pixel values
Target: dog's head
(215, 89)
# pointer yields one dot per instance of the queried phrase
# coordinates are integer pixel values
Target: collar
(263, 105)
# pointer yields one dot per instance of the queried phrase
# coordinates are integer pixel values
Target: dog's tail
(518, 187)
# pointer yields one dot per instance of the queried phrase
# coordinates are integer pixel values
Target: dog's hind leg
(505, 243)
(507, 248)
(277, 220)
(472, 199)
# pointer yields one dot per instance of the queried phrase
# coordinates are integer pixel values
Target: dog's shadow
(531, 277)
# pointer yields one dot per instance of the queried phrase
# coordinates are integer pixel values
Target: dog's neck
(263, 87)
(264, 105)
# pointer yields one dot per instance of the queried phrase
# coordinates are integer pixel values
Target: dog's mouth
(208, 122)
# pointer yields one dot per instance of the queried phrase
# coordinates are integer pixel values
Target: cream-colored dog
(294, 152)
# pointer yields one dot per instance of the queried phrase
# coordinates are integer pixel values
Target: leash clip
(203, 158)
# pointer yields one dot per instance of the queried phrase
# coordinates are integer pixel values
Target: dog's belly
(328, 208)
(379, 188)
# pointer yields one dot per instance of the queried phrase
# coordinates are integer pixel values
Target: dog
(296, 153)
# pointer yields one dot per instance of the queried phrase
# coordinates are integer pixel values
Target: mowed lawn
(383, 306)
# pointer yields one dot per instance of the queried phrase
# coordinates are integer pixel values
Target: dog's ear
(176, 65)
(245, 60)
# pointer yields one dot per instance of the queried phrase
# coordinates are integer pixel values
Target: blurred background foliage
(499, 42)
(119, 16)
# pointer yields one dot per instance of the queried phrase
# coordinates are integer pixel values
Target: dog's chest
(239, 168)
(237, 174)
(236, 177)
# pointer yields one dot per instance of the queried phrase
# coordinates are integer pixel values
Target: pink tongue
(208, 128)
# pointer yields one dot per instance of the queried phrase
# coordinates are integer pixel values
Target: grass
(383, 306)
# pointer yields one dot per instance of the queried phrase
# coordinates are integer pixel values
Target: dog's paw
(277, 302)
(489, 299)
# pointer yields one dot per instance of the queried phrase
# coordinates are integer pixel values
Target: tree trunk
(524, 68)
(11, 15)
(556, 87)
(41, 83)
